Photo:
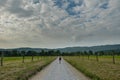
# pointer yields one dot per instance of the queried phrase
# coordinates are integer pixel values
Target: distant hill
(93, 48)
(72, 49)
(30, 49)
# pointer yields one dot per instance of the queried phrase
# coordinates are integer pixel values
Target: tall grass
(14, 69)
(102, 70)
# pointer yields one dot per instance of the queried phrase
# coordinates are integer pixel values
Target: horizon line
(60, 47)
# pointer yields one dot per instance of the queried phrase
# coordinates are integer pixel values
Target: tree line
(12, 53)
(90, 52)
(17, 53)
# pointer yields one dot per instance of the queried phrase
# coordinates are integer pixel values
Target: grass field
(14, 69)
(104, 69)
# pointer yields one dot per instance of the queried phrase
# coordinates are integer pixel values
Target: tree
(91, 52)
(102, 53)
(42, 52)
(15, 53)
(58, 53)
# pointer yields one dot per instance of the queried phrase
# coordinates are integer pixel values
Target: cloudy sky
(59, 23)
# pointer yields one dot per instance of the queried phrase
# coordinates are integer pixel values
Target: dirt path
(57, 71)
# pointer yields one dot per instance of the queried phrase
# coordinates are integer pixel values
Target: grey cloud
(2, 2)
(105, 32)
(16, 8)
(50, 26)
(36, 1)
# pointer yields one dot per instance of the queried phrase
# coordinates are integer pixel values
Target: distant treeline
(100, 53)
(56, 53)
(30, 53)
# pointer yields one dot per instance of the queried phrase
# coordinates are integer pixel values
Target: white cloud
(41, 23)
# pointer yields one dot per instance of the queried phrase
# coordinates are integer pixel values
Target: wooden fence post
(2, 56)
(38, 56)
(113, 57)
(83, 56)
(97, 57)
(23, 58)
(88, 56)
(79, 55)
(32, 56)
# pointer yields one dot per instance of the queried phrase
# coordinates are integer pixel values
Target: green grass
(102, 70)
(14, 69)
(18, 58)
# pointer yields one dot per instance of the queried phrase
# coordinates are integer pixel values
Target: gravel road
(57, 71)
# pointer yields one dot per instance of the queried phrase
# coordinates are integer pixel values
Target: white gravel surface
(57, 71)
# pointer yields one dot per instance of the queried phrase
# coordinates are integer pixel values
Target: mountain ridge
(72, 49)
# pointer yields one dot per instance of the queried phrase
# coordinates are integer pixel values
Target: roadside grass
(102, 70)
(105, 58)
(14, 69)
